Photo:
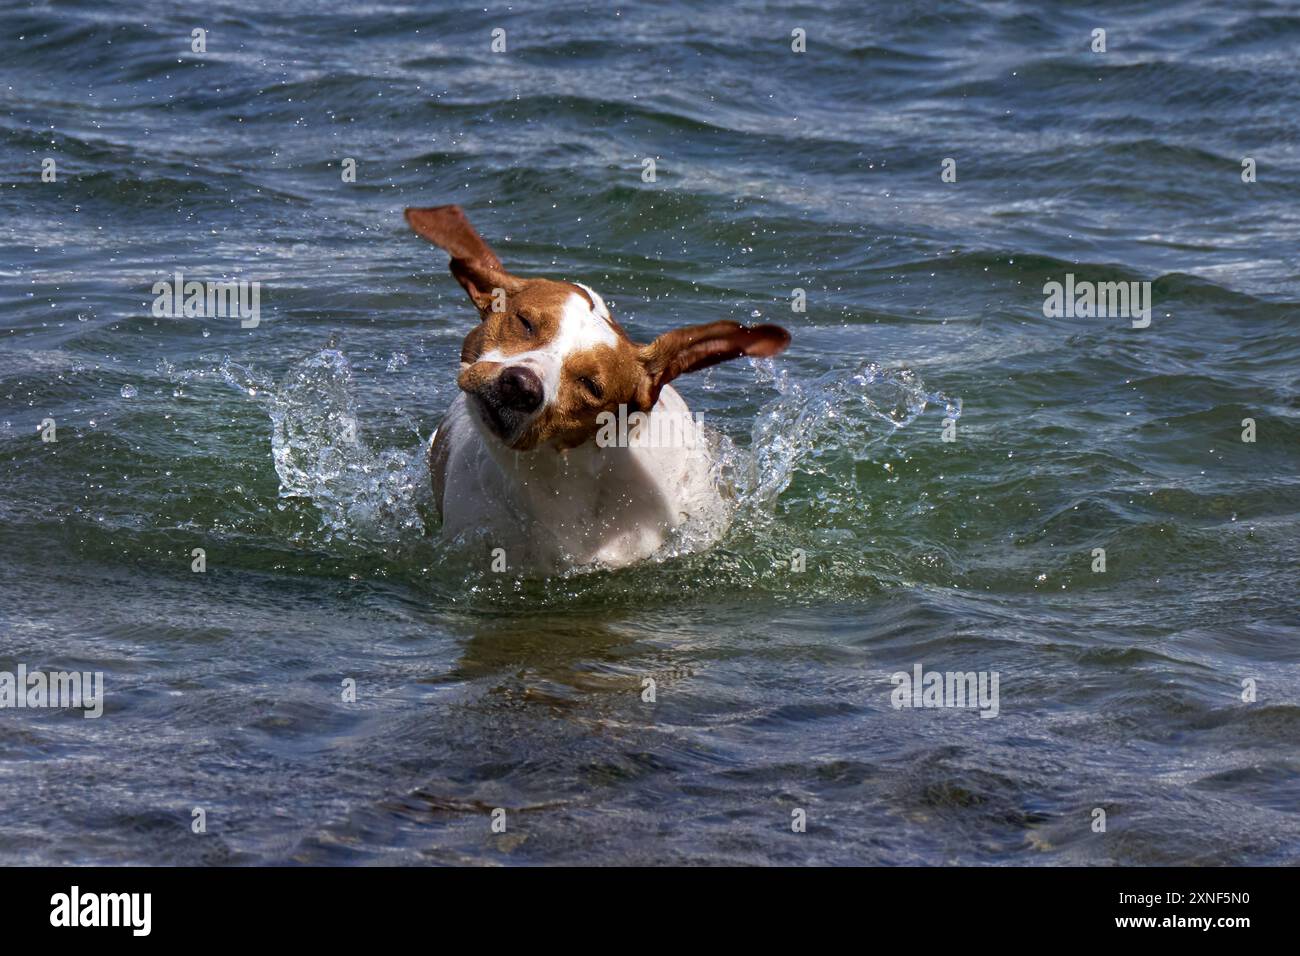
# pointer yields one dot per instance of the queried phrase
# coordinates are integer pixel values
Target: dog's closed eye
(592, 387)
(527, 326)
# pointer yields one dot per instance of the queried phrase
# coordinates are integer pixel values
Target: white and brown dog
(519, 457)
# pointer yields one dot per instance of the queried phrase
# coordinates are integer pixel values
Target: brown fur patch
(529, 320)
(593, 380)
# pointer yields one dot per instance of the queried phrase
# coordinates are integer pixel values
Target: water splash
(379, 498)
(239, 377)
(320, 455)
(370, 496)
(366, 497)
(841, 415)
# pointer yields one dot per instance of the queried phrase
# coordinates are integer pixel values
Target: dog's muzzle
(519, 389)
(506, 401)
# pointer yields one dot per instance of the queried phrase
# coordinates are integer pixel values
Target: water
(289, 452)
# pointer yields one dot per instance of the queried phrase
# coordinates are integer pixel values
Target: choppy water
(1119, 690)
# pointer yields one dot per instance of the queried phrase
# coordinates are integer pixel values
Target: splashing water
(371, 497)
(362, 495)
(839, 415)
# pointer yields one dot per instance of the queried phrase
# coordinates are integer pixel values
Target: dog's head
(547, 358)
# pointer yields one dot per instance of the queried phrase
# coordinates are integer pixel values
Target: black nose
(519, 388)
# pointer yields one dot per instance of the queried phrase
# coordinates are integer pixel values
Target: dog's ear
(485, 284)
(447, 228)
(699, 346)
(473, 263)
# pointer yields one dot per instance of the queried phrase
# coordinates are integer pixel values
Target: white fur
(552, 511)
(601, 310)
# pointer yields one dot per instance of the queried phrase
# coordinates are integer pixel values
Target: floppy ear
(481, 281)
(473, 263)
(699, 346)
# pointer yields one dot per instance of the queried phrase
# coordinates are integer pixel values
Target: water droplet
(129, 391)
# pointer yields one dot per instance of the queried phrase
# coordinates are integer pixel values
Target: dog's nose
(519, 388)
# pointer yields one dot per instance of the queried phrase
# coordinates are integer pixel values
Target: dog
(528, 455)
